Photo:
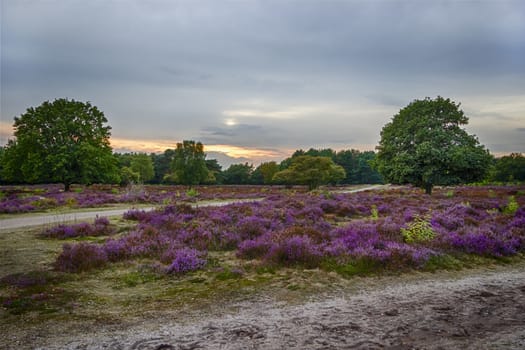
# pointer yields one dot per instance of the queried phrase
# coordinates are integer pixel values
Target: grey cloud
(520, 129)
(169, 69)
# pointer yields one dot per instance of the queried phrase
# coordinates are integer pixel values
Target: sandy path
(472, 310)
(46, 219)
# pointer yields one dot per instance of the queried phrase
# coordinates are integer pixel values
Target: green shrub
(512, 206)
(418, 230)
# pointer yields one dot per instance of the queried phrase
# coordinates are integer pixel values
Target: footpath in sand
(472, 309)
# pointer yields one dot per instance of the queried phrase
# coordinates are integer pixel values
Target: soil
(470, 309)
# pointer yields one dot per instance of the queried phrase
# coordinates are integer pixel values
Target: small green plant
(375, 212)
(192, 192)
(71, 202)
(512, 206)
(418, 230)
(449, 194)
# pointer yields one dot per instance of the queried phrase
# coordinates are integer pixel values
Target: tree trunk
(428, 188)
(67, 186)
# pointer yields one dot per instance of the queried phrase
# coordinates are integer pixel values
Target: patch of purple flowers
(186, 260)
(101, 227)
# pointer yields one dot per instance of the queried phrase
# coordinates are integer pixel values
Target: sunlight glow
(6, 132)
(159, 146)
(230, 122)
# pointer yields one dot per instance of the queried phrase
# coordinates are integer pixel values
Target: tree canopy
(510, 168)
(238, 174)
(189, 164)
(64, 141)
(311, 171)
(425, 145)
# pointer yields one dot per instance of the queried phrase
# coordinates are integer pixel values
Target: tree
(142, 164)
(425, 145)
(63, 141)
(310, 171)
(162, 164)
(189, 165)
(510, 168)
(267, 171)
(215, 170)
(357, 166)
(238, 174)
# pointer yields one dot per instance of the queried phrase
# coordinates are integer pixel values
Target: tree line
(67, 141)
(187, 165)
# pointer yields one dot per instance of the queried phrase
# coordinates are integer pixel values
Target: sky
(254, 80)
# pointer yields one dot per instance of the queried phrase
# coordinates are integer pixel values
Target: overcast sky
(258, 79)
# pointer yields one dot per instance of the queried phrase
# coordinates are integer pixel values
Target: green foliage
(311, 171)
(356, 164)
(267, 171)
(162, 164)
(239, 174)
(510, 168)
(375, 212)
(357, 167)
(214, 171)
(443, 261)
(425, 145)
(418, 231)
(62, 141)
(192, 192)
(128, 176)
(353, 267)
(512, 206)
(189, 165)
(142, 164)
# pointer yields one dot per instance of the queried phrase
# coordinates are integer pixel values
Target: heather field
(38, 198)
(288, 246)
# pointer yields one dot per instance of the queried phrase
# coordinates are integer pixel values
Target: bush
(295, 250)
(81, 257)
(186, 260)
(418, 231)
(101, 227)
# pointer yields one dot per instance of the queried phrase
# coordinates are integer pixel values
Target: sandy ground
(473, 309)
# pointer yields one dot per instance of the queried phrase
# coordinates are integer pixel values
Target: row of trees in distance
(187, 165)
(67, 141)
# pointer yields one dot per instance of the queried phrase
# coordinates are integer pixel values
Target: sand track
(484, 309)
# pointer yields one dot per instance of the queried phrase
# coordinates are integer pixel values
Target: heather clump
(81, 257)
(296, 250)
(186, 260)
(100, 227)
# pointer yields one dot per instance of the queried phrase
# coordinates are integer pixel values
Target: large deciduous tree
(64, 141)
(311, 171)
(425, 145)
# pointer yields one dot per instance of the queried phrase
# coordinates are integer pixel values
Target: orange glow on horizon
(159, 146)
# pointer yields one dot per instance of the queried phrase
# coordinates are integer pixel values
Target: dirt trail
(481, 309)
(46, 219)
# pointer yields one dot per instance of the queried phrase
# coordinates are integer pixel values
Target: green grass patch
(352, 267)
